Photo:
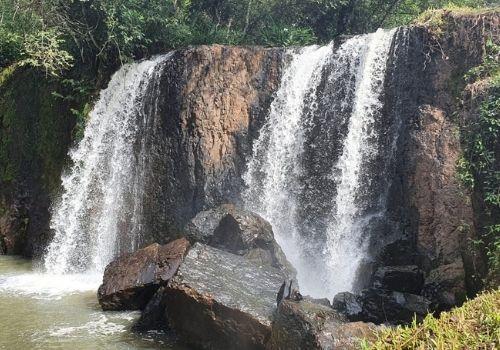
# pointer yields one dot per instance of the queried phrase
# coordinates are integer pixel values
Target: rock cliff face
(213, 102)
(434, 211)
(35, 134)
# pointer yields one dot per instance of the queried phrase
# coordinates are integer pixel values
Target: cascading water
(99, 214)
(273, 172)
(346, 243)
(311, 169)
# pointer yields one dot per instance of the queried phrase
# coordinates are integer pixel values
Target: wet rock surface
(308, 325)
(153, 316)
(240, 232)
(445, 287)
(220, 300)
(214, 99)
(381, 306)
(130, 281)
(407, 278)
(426, 202)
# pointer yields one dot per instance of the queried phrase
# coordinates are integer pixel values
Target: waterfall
(316, 166)
(99, 213)
(273, 171)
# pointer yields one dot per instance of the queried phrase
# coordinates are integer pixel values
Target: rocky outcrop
(407, 279)
(240, 232)
(214, 100)
(35, 133)
(130, 281)
(220, 300)
(307, 325)
(432, 210)
(381, 306)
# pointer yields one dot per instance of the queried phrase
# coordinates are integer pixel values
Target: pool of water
(40, 311)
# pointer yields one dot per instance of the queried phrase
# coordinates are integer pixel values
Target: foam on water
(49, 286)
(101, 325)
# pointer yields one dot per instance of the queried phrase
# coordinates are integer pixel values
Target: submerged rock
(220, 300)
(381, 306)
(130, 281)
(240, 232)
(308, 325)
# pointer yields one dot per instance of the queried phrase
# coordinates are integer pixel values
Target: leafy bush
(115, 31)
(43, 50)
(479, 166)
(474, 325)
(281, 35)
(11, 45)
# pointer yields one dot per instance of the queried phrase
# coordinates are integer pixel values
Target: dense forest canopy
(54, 34)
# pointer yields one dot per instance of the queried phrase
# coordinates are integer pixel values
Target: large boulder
(308, 325)
(220, 300)
(381, 306)
(130, 281)
(201, 228)
(444, 286)
(240, 232)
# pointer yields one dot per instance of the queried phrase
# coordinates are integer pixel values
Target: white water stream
(99, 213)
(274, 175)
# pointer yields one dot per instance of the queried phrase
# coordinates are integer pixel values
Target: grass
(436, 19)
(474, 325)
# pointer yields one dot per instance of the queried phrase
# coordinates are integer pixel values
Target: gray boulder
(307, 325)
(220, 300)
(381, 306)
(240, 232)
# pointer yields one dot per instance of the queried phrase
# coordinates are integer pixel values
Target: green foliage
(134, 25)
(479, 166)
(48, 34)
(43, 50)
(490, 68)
(423, 11)
(287, 36)
(27, 38)
(11, 46)
(81, 116)
(474, 325)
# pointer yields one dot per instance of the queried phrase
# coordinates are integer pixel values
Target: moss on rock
(35, 133)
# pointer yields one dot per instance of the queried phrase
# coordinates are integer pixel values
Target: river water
(50, 312)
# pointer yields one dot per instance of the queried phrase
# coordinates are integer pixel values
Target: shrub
(43, 50)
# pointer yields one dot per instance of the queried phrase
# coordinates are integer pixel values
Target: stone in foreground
(220, 300)
(130, 281)
(307, 325)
